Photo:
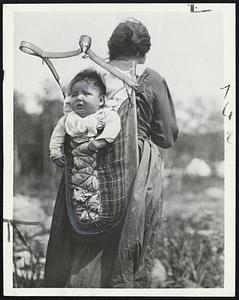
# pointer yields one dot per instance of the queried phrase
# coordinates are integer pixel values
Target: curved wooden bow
(31, 49)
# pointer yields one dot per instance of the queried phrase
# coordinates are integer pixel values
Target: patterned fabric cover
(96, 193)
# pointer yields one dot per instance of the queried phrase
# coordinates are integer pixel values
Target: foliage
(28, 264)
(191, 240)
(191, 255)
(199, 116)
(190, 243)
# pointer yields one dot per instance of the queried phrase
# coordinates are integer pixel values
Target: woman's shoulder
(151, 81)
(152, 75)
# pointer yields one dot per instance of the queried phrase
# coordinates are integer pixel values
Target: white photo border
(228, 12)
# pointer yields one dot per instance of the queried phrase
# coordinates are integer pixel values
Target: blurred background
(187, 49)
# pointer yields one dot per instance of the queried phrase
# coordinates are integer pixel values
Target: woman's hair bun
(129, 38)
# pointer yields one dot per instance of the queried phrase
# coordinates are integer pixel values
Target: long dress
(122, 257)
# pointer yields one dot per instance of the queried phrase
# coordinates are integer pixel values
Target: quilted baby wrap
(96, 191)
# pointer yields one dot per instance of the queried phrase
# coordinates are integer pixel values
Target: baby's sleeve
(112, 127)
(57, 140)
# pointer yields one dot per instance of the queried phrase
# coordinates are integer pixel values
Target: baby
(91, 126)
(86, 116)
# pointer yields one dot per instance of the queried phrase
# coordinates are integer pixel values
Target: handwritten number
(224, 112)
(227, 87)
(228, 115)
(224, 109)
(229, 134)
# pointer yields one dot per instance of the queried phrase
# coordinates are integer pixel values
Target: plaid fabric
(111, 175)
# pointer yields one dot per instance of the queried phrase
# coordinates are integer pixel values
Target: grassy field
(191, 241)
(190, 246)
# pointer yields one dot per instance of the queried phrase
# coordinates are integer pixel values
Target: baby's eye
(74, 95)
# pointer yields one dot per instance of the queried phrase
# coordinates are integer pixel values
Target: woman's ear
(102, 100)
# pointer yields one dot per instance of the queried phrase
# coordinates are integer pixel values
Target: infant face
(86, 98)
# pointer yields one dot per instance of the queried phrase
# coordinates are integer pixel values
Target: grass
(28, 265)
(192, 257)
(190, 243)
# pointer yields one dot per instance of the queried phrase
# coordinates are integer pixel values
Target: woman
(130, 41)
(122, 257)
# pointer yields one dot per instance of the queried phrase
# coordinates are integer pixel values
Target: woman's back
(155, 110)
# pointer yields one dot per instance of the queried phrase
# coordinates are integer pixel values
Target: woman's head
(129, 39)
(87, 92)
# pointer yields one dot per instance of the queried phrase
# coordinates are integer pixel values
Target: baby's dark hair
(88, 76)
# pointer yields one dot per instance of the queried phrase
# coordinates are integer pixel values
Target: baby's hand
(60, 161)
(94, 146)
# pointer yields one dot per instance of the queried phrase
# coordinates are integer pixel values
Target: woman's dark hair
(89, 76)
(130, 38)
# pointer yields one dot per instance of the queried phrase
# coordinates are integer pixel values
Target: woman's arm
(164, 129)
(164, 124)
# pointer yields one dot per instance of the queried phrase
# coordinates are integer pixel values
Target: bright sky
(187, 48)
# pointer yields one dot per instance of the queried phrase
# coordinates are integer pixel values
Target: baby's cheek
(92, 107)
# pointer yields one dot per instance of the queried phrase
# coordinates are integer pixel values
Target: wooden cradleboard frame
(132, 157)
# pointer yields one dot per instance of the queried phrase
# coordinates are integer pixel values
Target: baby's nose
(80, 97)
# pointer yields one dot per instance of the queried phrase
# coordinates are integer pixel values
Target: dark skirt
(122, 260)
(92, 266)
(65, 258)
